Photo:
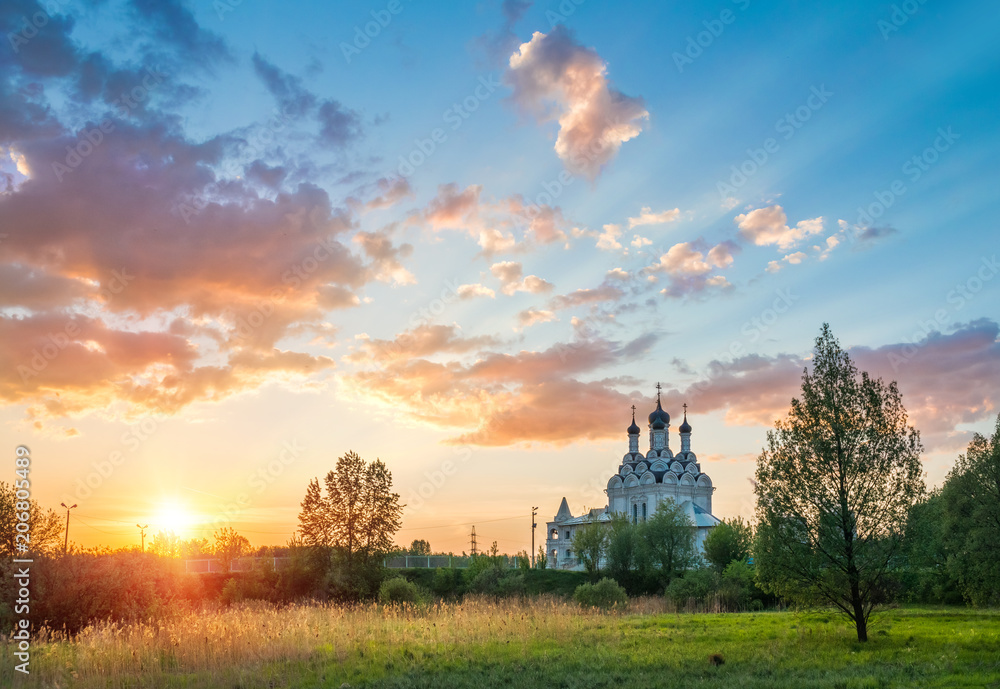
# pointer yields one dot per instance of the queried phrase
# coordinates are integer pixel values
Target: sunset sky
(238, 239)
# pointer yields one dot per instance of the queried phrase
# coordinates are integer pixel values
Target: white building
(641, 483)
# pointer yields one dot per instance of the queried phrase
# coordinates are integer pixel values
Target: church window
(643, 511)
(567, 535)
(554, 535)
(635, 514)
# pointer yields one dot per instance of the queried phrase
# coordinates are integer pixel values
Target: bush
(398, 590)
(694, 586)
(604, 594)
(448, 583)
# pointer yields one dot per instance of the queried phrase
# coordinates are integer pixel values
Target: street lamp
(66, 542)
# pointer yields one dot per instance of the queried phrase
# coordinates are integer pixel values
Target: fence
(243, 564)
(435, 561)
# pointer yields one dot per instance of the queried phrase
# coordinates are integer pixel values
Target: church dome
(659, 419)
(685, 426)
(634, 429)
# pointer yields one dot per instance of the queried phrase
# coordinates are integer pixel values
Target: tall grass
(542, 641)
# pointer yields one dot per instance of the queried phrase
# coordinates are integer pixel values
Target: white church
(641, 483)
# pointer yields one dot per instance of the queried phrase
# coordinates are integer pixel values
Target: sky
(239, 239)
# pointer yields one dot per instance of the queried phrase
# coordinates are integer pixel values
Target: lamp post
(534, 513)
(142, 534)
(66, 542)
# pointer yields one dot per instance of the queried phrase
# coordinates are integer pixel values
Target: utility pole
(534, 513)
(66, 542)
(473, 536)
(142, 534)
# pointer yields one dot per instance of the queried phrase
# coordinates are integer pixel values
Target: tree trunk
(859, 609)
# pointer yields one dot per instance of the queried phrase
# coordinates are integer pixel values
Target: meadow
(533, 642)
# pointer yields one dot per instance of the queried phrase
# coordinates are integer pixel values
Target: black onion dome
(659, 419)
(633, 429)
(685, 426)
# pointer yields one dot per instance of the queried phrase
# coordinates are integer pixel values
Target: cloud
(648, 217)
(608, 239)
(795, 258)
(533, 316)
(475, 290)
(769, 226)
(422, 341)
(947, 380)
(509, 273)
(586, 296)
(506, 399)
(385, 257)
(688, 265)
(553, 77)
(498, 44)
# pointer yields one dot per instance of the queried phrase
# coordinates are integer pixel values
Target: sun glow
(174, 516)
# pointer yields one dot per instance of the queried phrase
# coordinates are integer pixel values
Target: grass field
(542, 642)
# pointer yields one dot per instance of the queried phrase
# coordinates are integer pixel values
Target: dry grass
(515, 644)
(253, 635)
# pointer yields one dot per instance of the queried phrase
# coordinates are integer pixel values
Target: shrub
(695, 586)
(447, 583)
(604, 594)
(398, 590)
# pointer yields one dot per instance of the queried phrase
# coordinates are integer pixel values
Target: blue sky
(449, 319)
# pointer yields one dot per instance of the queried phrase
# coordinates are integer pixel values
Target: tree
(45, 526)
(165, 544)
(420, 547)
(541, 559)
(834, 486)
(971, 523)
(356, 519)
(230, 546)
(589, 543)
(626, 553)
(729, 541)
(669, 537)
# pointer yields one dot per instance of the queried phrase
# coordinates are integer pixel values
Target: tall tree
(356, 517)
(589, 544)
(834, 486)
(45, 526)
(230, 546)
(728, 542)
(420, 547)
(971, 497)
(669, 537)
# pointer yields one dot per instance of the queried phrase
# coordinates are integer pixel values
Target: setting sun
(173, 516)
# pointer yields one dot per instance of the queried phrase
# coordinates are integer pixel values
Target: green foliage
(541, 559)
(523, 560)
(420, 547)
(352, 524)
(604, 594)
(45, 526)
(694, 587)
(971, 520)
(728, 542)
(834, 486)
(589, 544)
(448, 582)
(669, 538)
(626, 554)
(398, 590)
(230, 546)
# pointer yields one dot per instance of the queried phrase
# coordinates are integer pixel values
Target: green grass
(544, 643)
